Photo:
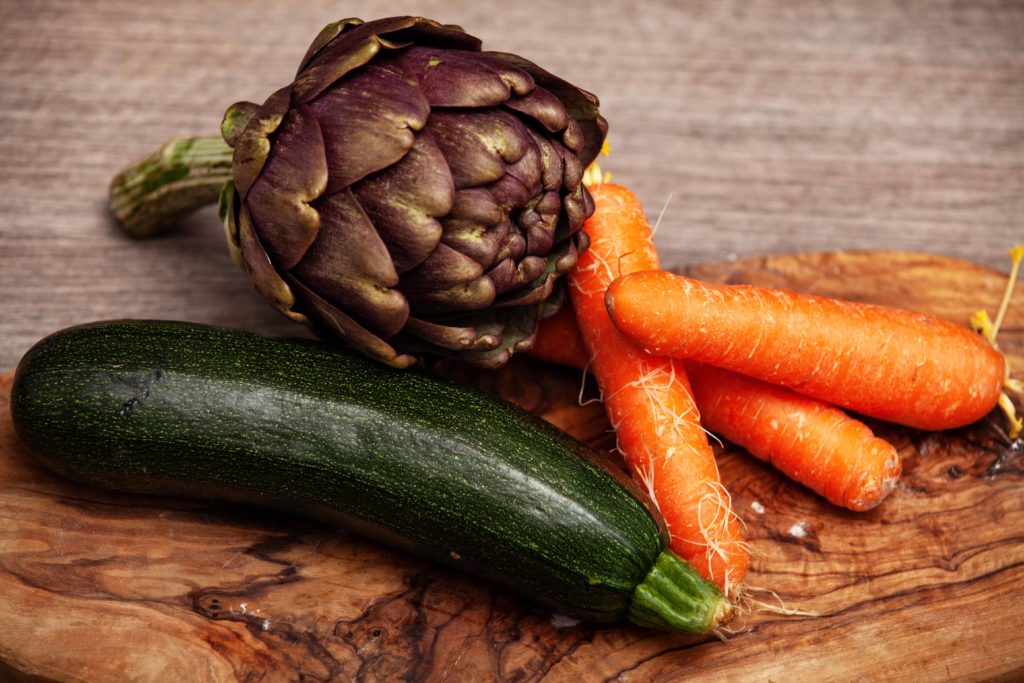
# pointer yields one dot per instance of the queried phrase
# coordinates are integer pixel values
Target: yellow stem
(990, 330)
(1017, 254)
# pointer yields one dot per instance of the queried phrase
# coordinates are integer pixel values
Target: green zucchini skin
(170, 408)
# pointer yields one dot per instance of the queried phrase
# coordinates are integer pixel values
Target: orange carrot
(649, 402)
(896, 365)
(809, 441)
(558, 340)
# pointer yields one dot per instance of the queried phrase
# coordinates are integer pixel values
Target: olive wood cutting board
(929, 586)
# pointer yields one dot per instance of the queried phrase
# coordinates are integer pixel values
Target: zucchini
(428, 465)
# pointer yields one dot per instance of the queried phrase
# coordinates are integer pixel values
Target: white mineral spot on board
(757, 507)
(562, 621)
(797, 530)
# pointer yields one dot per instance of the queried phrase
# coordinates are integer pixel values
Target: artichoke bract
(407, 193)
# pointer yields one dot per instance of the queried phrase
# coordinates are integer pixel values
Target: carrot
(900, 366)
(558, 340)
(649, 402)
(811, 442)
(808, 440)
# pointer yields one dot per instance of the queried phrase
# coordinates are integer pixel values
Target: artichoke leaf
(543, 107)
(552, 166)
(528, 170)
(580, 105)
(405, 201)
(369, 122)
(281, 195)
(575, 205)
(510, 192)
(528, 270)
(464, 334)
(523, 296)
(339, 50)
(331, 323)
(503, 275)
(236, 118)
(262, 272)
(540, 222)
(478, 145)
(567, 261)
(513, 246)
(473, 295)
(349, 267)
(515, 329)
(449, 78)
(339, 57)
(429, 32)
(323, 39)
(476, 225)
(443, 269)
(228, 208)
(252, 146)
(544, 284)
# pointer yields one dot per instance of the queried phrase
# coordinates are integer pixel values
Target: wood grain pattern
(772, 126)
(97, 586)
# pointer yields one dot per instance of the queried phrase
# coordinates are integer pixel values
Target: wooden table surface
(759, 127)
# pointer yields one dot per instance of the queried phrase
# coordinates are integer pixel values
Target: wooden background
(773, 127)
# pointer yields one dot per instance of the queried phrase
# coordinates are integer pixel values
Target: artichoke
(407, 193)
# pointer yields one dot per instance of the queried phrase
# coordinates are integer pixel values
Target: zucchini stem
(674, 596)
(183, 175)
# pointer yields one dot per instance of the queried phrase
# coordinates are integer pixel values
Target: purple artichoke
(406, 193)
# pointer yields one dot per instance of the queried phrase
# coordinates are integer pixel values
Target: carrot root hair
(714, 510)
(751, 604)
(722, 517)
(744, 604)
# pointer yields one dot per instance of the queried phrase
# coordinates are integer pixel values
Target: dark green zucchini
(428, 465)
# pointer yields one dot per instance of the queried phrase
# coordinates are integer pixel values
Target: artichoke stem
(180, 177)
